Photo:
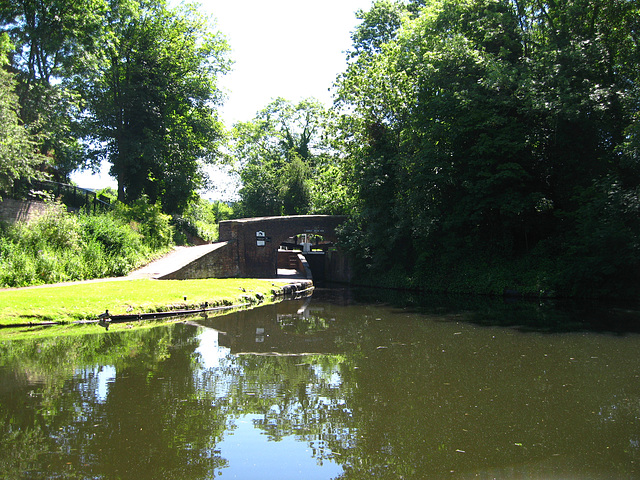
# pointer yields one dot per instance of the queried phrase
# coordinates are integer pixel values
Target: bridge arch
(257, 240)
(248, 247)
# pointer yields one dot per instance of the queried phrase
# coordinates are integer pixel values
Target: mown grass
(82, 301)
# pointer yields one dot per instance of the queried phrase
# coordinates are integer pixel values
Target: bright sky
(281, 48)
(288, 48)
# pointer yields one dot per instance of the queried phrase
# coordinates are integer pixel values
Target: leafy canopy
(282, 157)
(153, 101)
(493, 126)
(18, 153)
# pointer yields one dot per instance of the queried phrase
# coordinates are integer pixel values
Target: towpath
(174, 260)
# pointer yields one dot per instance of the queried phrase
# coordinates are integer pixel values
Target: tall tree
(55, 42)
(18, 151)
(492, 126)
(153, 103)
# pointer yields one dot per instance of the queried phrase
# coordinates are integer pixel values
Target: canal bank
(139, 296)
(135, 299)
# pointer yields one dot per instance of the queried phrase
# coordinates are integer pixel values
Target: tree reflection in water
(318, 389)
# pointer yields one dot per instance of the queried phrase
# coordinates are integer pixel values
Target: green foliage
(56, 229)
(379, 26)
(128, 81)
(114, 235)
(147, 219)
(483, 126)
(222, 211)
(153, 101)
(55, 44)
(602, 256)
(18, 157)
(294, 187)
(260, 189)
(200, 219)
(61, 246)
(329, 191)
(278, 154)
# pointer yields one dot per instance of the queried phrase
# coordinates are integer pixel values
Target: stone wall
(21, 210)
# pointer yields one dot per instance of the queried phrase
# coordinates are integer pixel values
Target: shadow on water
(526, 315)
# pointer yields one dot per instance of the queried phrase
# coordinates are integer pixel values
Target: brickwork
(249, 248)
(258, 239)
(289, 259)
(337, 267)
(21, 210)
(294, 260)
(219, 263)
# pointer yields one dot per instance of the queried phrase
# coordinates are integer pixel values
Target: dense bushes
(200, 221)
(62, 246)
(493, 145)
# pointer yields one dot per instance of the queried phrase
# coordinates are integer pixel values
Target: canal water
(342, 385)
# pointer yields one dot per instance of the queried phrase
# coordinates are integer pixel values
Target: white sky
(281, 48)
(288, 48)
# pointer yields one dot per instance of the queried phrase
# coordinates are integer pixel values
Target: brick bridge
(250, 247)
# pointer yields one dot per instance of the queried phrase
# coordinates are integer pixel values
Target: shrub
(112, 233)
(94, 261)
(154, 226)
(200, 219)
(62, 246)
(57, 229)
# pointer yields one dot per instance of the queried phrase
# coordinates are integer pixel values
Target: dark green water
(332, 387)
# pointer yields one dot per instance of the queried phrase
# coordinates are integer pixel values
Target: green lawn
(80, 301)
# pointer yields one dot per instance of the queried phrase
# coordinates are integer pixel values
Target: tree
(490, 126)
(18, 152)
(378, 27)
(153, 101)
(277, 155)
(55, 43)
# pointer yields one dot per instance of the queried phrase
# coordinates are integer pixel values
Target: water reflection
(328, 387)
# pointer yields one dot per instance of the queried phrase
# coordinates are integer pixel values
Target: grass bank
(68, 303)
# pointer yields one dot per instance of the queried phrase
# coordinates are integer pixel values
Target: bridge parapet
(282, 227)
